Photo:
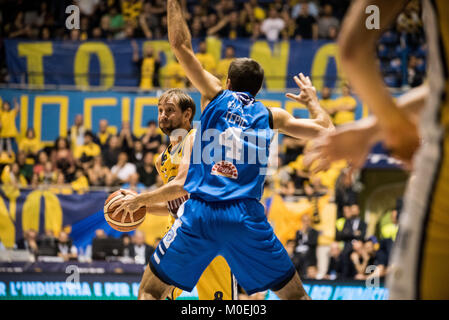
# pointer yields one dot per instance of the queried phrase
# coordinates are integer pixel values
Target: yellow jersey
(8, 121)
(217, 281)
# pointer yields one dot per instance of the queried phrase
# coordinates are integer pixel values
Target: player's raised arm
(181, 43)
(319, 122)
(357, 51)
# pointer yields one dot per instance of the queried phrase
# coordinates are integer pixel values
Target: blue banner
(110, 63)
(42, 210)
(52, 112)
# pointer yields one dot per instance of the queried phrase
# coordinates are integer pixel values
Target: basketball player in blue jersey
(225, 176)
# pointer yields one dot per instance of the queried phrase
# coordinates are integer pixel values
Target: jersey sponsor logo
(225, 169)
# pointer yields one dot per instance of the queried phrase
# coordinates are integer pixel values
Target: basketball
(114, 219)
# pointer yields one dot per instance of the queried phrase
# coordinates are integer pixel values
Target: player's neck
(179, 136)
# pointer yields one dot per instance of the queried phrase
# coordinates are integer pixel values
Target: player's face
(170, 116)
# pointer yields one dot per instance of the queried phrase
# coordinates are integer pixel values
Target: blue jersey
(230, 154)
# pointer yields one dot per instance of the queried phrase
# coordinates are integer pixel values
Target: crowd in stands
(401, 50)
(117, 158)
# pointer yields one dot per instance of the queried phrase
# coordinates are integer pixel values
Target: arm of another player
(319, 122)
(357, 52)
(181, 43)
(170, 191)
(354, 141)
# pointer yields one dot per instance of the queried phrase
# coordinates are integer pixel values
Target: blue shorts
(237, 230)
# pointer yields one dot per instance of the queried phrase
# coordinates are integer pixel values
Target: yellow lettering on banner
(291, 106)
(63, 102)
(23, 114)
(8, 217)
(7, 227)
(106, 59)
(31, 211)
(273, 62)
(90, 103)
(139, 103)
(34, 53)
(53, 212)
(320, 62)
(126, 109)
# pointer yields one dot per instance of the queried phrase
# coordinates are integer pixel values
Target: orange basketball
(114, 219)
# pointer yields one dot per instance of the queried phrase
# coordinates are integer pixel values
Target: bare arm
(358, 58)
(320, 121)
(181, 43)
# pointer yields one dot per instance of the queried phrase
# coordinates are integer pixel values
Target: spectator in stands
(104, 133)
(344, 108)
(8, 130)
(148, 66)
(223, 64)
(28, 242)
(353, 229)
(98, 173)
(229, 27)
(11, 176)
(48, 244)
(140, 250)
(147, 172)
(327, 21)
(206, 59)
(272, 26)
(26, 167)
(305, 247)
(376, 258)
(327, 102)
(175, 76)
(134, 184)
(346, 190)
(122, 171)
(81, 182)
(65, 247)
(355, 268)
(86, 152)
(126, 138)
(137, 153)
(131, 9)
(290, 248)
(126, 239)
(30, 145)
(48, 175)
(76, 132)
(335, 266)
(62, 158)
(306, 24)
(151, 139)
(42, 159)
(111, 152)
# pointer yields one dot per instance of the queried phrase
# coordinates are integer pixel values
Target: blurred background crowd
(401, 50)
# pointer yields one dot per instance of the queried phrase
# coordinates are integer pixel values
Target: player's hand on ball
(307, 93)
(129, 207)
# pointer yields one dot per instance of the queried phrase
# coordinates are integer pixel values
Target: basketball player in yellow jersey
(176, 111)
(421, 254)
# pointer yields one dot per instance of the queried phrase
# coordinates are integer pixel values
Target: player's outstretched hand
(307, 93)
(351, 142)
